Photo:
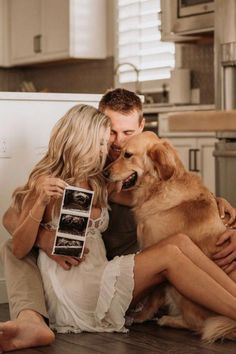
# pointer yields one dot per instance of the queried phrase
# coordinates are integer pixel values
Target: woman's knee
(172, 254)
(180, 240)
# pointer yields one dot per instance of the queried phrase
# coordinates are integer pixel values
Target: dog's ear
(163, 158)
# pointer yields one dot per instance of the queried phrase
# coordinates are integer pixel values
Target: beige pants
(24, 283)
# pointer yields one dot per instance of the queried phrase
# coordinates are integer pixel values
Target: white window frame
(141, 86)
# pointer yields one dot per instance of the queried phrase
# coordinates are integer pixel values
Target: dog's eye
(127, 155)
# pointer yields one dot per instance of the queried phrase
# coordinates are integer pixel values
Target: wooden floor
(145, 339)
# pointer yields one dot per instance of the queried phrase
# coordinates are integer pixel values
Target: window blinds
(139, 42)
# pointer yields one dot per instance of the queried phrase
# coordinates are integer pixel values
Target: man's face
(123, 126)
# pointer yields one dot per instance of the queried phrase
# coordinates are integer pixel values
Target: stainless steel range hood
(225, 54)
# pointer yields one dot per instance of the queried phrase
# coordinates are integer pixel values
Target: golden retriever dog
(169, 200)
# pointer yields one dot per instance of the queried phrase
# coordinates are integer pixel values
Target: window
(139, 44)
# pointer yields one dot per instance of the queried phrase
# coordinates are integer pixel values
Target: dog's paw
(163, 320)
(138, 319)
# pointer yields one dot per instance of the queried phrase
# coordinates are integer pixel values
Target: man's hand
(226, 258)
(45, 241)
(224, 208)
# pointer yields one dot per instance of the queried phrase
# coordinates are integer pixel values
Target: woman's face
(105, 142)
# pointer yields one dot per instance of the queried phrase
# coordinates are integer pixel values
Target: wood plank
(145, 338)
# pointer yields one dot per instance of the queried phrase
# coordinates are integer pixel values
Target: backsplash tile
(200, 60)
(84, 76)
(96, 76)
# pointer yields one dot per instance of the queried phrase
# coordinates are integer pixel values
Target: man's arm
(226, 210)
(226, 258)
(10, 220)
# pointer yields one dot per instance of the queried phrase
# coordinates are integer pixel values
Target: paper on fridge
(73, 222)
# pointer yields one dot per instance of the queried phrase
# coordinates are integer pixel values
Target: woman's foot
(28, 330)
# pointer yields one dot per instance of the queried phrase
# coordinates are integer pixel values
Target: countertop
(45, 96)
(203, 121)
(167, 107)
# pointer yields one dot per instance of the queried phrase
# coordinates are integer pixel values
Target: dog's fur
(170, 200)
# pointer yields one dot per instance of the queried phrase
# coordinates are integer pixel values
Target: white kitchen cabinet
(25, 27)
(196, 154)
(48, 30)
(3, 34)
(195, 149)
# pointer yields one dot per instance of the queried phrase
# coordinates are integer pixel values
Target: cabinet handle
(190, 152)
(192, 160)
(37, 43)
(195, 160)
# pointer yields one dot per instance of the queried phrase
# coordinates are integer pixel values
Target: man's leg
(24, 283)
(26, 300)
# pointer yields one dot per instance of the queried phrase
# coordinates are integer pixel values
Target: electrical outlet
(4, 148)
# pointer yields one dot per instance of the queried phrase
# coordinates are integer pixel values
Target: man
(26, 299)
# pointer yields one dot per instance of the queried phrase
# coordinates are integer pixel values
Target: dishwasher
(225, 166)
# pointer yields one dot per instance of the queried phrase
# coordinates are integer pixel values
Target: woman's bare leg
(193, 252)
(157, 262)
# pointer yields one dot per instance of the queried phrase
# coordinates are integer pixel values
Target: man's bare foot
(28, 330)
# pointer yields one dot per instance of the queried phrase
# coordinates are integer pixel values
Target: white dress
(93, 296)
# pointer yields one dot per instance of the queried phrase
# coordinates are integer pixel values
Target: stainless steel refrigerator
(225, 95)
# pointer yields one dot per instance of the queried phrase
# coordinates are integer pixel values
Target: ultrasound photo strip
(73, 222)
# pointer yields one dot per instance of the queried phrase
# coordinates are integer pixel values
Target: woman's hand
(45, 241)
(226, 258)
(224, 208)
(48, 188)
(67, 262)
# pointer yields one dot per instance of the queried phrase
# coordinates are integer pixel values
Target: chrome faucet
(116, 70)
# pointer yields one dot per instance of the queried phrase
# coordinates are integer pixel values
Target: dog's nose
(106, 173)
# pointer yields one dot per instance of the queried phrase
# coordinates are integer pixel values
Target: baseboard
(3, 292)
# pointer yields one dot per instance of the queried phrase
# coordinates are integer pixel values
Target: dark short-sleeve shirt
(120, 238)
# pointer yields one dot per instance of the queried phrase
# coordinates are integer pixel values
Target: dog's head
(144, 154)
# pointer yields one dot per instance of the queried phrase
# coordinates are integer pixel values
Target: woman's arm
(34, 205)
(25, 233)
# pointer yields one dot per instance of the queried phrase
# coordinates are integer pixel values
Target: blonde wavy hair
(75, 154)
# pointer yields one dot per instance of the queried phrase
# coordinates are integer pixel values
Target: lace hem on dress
(116, 291)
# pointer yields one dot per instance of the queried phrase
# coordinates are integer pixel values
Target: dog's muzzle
(106, 173)
(130, 181)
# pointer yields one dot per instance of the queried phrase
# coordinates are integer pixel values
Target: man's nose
(119, 139)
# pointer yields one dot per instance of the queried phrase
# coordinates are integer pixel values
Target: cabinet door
(25, 28)
(167, 33)
(184, 146)
(206, 162)
(55, 28)
(4, 34)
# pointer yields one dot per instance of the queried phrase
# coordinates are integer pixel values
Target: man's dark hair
(121, 100)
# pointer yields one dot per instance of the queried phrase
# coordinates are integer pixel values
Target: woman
(96, 295)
